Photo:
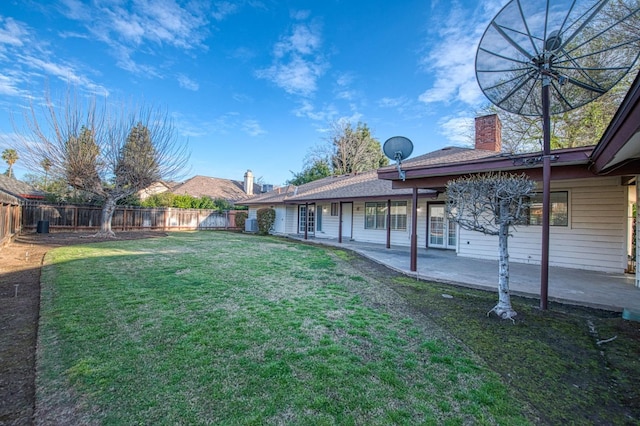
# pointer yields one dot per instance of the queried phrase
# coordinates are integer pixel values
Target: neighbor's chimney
(489, 133)
(248, 183)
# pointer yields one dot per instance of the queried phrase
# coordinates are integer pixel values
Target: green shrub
(222, 204)
(266, 219)
(181, 201)
(241, 218)
(163, 199)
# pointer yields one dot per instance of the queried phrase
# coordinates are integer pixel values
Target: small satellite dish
(398, 148)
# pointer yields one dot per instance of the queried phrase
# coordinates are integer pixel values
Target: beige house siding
(330, 224)
(596, 238)
(279, 225)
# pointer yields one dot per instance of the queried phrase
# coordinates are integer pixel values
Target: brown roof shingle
(199, 186)
(334, 188)
(19, 189)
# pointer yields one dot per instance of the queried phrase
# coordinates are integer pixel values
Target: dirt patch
(20, 263)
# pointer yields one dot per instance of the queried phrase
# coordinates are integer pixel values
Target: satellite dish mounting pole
(546, 190)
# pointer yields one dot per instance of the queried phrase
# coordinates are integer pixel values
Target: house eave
(296, 201)
(620, 143)
(566, 164)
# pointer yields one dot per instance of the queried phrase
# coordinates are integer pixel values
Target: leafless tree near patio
(492, 203)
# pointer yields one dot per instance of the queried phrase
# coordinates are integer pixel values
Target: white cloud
(65, 72)
(9, 86)
(253, 128)
(393, 102)
(223, 9)
(12, 32)
(297, 63)
(132, 27)
(457, 129)
(306, 109)
(187, 83)
(452, 58)
(304, 40)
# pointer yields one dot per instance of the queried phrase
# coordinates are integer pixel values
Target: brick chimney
(248, 183)
(489, 133)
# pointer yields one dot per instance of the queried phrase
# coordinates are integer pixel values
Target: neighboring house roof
(199, 186)
(19, 189)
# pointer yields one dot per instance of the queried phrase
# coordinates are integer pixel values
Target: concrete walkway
(614, 292)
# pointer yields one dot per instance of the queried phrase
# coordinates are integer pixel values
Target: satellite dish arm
(584, 24)
(511, 41)
(398, 158)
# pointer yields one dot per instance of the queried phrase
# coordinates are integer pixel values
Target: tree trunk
(503, 309)
(107, 213)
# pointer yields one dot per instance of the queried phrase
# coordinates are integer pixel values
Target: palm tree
(46, 165)
(10, 155)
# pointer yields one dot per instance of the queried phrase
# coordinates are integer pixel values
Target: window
(559, 209)
(399, 215)
(334, 209)
(319, 218)
(376, 215)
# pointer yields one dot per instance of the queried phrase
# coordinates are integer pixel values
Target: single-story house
(592, 193)
(355, 206)
(230, 190)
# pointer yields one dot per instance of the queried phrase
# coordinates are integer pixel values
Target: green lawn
(224, 328)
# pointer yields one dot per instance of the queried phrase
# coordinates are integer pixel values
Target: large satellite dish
(583, 48)
(542, 57)
(398, 148)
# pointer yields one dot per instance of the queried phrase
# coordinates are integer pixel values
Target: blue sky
(254, 84)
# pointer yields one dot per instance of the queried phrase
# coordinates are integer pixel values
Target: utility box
(251, 225)
(43, 227)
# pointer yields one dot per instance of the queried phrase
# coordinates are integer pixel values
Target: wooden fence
(66, 217)
(10, 217)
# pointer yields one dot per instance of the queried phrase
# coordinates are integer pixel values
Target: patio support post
(306, 220)
(414, 231)
(388, 223)
(637, 233)
(546, 189)
(340, 222)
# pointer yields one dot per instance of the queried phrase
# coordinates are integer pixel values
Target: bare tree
(109, 151)
(492, 203)
(354, 150)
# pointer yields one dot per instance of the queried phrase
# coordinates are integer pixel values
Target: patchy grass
(552, 358)
(236, 329)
